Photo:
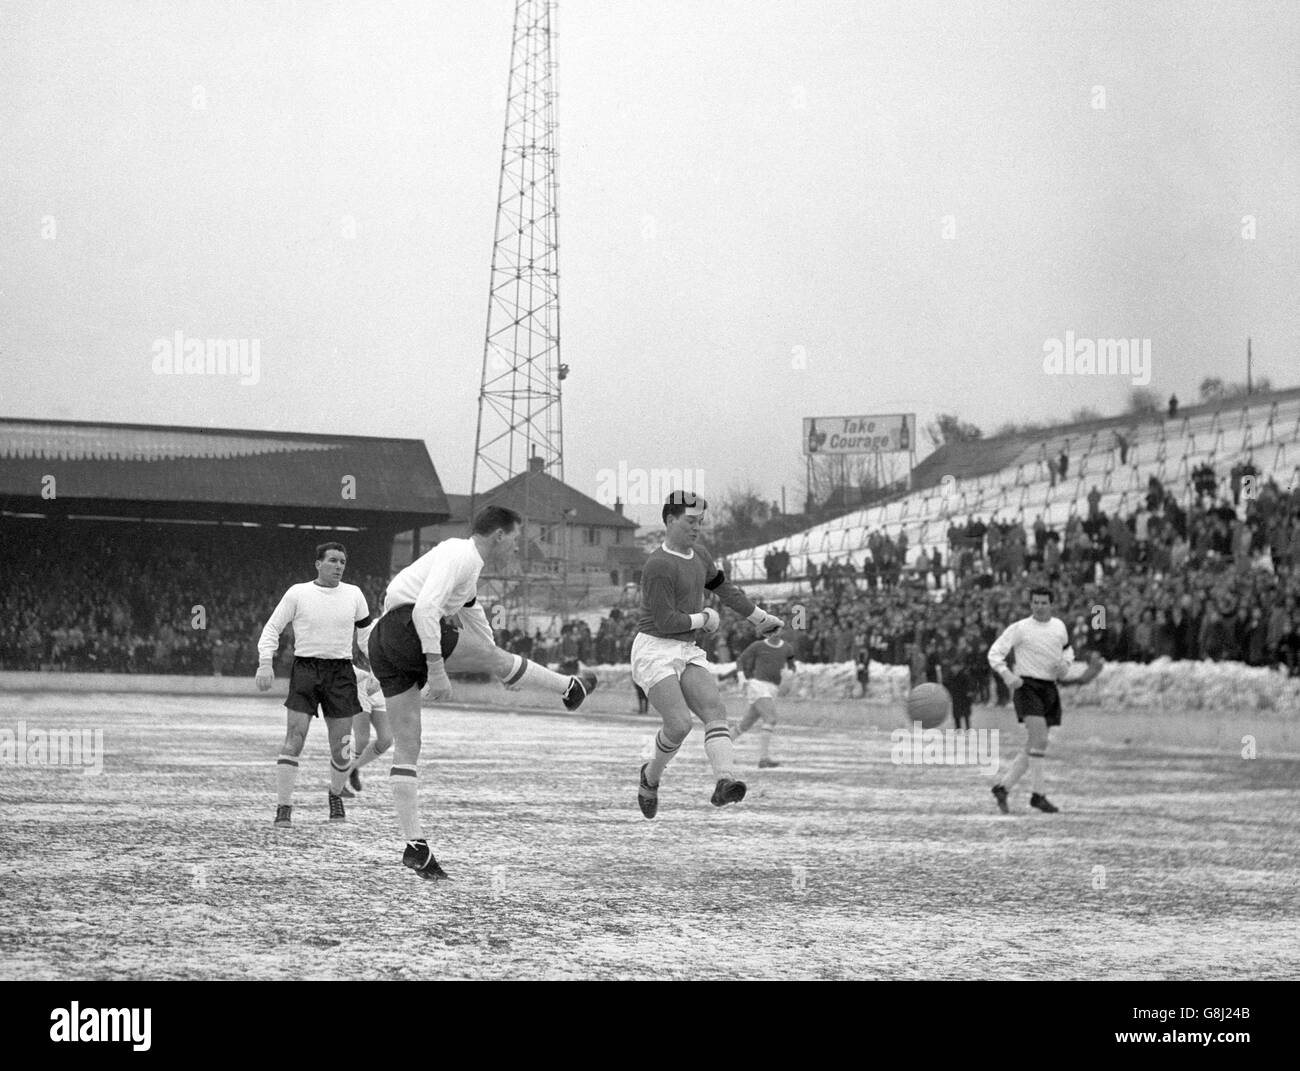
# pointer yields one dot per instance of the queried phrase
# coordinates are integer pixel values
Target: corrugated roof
(124, 442)
(150, 463)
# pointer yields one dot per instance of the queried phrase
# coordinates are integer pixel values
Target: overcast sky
(738, 180)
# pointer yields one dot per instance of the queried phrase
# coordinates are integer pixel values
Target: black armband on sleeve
(363, 622)
(472, 601)
(717, 581)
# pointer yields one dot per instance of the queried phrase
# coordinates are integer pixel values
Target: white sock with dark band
(664, 751)
(369, 754)
(286, 776)
(717, 745)
(405, 786)
(528, 674)
(338, 776)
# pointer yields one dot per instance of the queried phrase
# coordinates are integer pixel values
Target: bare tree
(1143, 402)
(950, 428)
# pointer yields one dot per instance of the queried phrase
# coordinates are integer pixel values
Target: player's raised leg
(475, 650)
(286, 767)
(370, 748)
(360, 741)
(701, 693)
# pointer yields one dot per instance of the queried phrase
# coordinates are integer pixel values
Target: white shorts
(655, 659)
(369, 701)
(756, 690)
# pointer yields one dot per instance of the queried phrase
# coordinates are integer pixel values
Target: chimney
(535, 464)
(618, 506)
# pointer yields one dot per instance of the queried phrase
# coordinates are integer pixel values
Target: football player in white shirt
(414, 644)
(1041, 645)
(325, 615)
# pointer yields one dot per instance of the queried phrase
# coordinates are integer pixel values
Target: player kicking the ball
(666, 662)
(761, 663)
(324, 615)
(1041, 646)
(414, 644)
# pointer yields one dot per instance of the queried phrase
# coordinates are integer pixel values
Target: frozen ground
(1165, 862)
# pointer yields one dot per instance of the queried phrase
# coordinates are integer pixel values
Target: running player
(324, 614)
(761, 664)
(666, 661)
(374, 712)
(415, 643)
(1042, 651)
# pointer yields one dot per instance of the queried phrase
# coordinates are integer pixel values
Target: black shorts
(1037, 698)
(396, 655)
(328, 683)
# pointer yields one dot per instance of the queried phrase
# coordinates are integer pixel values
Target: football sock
(717, 745)
(765, 741)
(286, 776)
(1017, 771)
(403, 782)
(664, 750)
(338, 775)
(529, 674)
(1036, 772)
(369, 754)
(747, 722)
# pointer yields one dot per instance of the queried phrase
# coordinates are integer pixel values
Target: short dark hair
(679, 502)
(325, 548)
(490, 518)
(1042, 591)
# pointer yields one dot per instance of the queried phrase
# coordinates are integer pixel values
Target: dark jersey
(760, 661)
(672, 588)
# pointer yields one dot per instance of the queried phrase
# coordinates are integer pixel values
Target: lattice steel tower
(519, 414)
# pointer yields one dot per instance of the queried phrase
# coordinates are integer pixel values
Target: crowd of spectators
(81, 600)
(1217, 579)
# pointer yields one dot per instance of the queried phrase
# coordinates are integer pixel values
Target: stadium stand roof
(224, 473)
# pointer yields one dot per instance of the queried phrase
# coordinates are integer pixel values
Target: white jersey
(437, 585)
(323, 620)
(1042, 649)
